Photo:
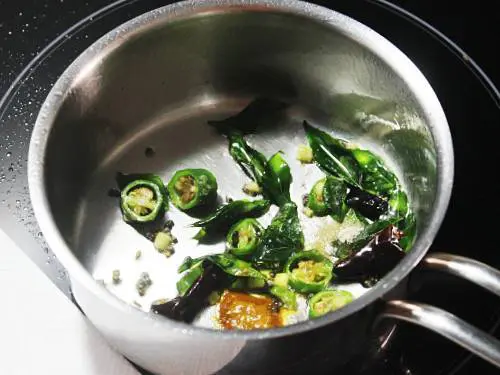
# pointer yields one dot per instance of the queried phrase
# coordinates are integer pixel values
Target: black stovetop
(28, 26)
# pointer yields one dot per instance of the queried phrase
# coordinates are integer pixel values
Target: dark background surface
(27, 26)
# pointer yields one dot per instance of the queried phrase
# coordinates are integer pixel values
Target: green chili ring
(133, 205)
(244, 237)
(285, 295)
(309, 271)
(190, 188)
(316, 199)
(327, 301)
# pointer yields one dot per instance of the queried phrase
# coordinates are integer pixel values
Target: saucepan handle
(444, 323)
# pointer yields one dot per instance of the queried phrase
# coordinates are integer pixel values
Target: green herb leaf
(274, 177)
(377, 179)
(234, 266)
(332, 155)
(186, 281)
(282, 238)
(346, 249)
(335, 194)
(226, 215)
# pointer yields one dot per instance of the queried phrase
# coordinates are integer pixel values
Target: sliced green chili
(225, 216)
(227, 262)
(309, 271)
(328, 197)
(244, 237)
(141, 201)
(335, 194)
(281, 169)
(316, 200)
(190, 188)
(328, 300)
(189, 278)
(285, 295)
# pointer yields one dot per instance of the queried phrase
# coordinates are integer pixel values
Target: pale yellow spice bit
(116, 277)
(305, 154)
(287, 315)
(351, 146)
(159, 301)
(138, 254)
(281, 279)
(164, 243)
(252, 188)
(308, 212)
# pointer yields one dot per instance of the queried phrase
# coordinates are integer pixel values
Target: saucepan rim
(359, 33)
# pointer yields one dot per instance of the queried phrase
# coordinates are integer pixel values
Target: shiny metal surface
(444, 323)
(466, 268)
(447, 325)
(158, 78)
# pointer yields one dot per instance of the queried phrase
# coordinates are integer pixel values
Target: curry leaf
(282, 238)
(376, 178)
(274, 176)
(332, 155)
(226, 215)
(335, 193)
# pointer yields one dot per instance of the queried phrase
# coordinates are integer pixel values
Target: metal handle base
(444, 323)
(469, 269)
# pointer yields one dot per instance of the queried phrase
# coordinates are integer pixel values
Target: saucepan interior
(154, 87)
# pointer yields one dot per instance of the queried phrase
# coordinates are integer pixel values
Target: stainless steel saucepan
(154, 82)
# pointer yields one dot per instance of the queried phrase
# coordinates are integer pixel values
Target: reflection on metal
(469, 269)
(447, 325)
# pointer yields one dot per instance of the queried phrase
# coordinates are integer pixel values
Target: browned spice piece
(245, 311)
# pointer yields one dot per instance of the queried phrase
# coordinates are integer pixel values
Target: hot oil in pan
(181, 139)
